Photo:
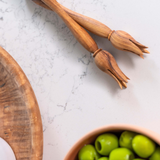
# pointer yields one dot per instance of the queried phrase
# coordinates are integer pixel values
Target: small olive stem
(81, 34)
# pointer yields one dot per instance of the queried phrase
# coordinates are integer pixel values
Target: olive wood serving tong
(103, 59)
(119, 39)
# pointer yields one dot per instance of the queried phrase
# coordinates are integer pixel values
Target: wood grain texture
(80, 34)
(20, 120)
(88, 23)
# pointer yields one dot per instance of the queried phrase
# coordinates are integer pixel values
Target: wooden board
(20, 120)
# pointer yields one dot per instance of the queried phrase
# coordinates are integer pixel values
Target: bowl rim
(113, 127)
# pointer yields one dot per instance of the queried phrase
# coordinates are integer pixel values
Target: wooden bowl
(90, 137)
(20, 120)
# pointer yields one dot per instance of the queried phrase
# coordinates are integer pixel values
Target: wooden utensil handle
(88, 23)
(82, 36)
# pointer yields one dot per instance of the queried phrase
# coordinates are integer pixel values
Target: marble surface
(6, 152)
(74, 96)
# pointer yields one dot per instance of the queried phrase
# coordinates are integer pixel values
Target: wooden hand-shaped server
(104, 60)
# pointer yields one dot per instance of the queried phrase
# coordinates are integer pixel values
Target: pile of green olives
(129, 146)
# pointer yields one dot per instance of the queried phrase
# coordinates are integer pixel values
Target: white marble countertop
(74, 96)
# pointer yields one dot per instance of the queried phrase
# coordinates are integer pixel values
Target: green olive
(143, 146)
(105, 143)
(156, 154)
(126, 139)
(121, 154)
(88, 152)
(103, 158)
(138, 159)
